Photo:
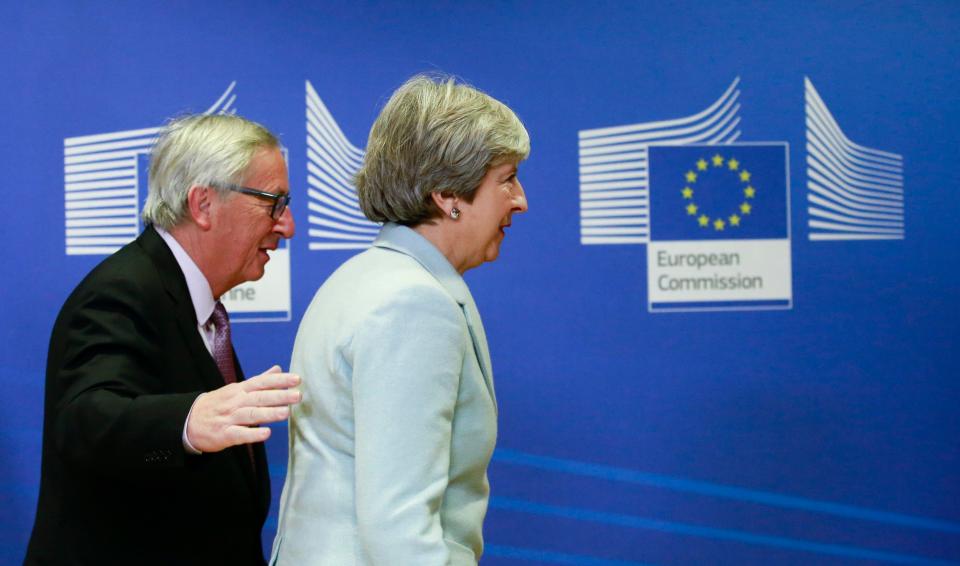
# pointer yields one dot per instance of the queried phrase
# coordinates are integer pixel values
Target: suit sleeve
(407, 357)
(115, 412)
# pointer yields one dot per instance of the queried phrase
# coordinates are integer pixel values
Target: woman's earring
(454, 213)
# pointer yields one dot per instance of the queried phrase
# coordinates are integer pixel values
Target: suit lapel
(174, 282)
(406, 241)
(479, 338)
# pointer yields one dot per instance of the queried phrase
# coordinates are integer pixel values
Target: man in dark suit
(152, 449)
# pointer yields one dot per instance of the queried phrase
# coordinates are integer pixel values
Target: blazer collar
(407, 241)
(200, 294)
(167, 267)
(172, 279)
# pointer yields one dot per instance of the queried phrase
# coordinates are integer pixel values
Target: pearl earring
(455, 213)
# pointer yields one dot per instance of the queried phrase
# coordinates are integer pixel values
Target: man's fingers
(230, 415)
(247, 435)
(271, 380)
(273, 398)
(261, 415)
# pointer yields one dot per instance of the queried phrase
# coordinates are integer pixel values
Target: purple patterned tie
(222, 348)
(223, 354)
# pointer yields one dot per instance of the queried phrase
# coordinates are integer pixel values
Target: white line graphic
(101, 200)
(614, 197)
(855, 192)
(336, 222)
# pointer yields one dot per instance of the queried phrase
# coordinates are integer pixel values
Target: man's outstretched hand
(232, 414)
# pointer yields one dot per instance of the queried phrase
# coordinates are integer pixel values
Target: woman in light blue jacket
(389, 447)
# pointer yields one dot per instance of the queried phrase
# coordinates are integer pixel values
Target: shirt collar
(200, 294)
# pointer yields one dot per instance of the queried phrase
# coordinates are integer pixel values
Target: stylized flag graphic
(614, 203)
(855, 192)
(335, 218)
(718, 192)
(101, 180)
(720, 227)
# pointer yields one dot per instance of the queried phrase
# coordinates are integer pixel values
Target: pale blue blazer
(389, 447)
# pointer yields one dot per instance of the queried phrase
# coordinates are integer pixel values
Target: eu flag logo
(719, 227)
(718, 192)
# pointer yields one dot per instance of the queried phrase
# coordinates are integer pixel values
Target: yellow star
(745, 208)
(733, 164)
(703, 220)
(734, 220)
(691, 177)
(744, 175)
(687, 192)
(702, 165)
(718, 224)
(717, 160)
(749, 192)
(691, 209)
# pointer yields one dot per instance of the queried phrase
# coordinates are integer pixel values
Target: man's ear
(199, 204)
(444, 200)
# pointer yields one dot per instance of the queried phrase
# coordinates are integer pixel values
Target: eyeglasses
(280, 201)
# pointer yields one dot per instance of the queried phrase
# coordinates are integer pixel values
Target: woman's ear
(199, 204)
(445, 201)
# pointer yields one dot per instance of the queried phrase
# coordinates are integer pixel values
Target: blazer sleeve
(408, 356)
(115, 411)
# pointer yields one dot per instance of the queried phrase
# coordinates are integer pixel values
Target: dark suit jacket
(125, 364)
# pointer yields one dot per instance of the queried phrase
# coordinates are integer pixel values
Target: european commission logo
(105, 182)
(712, 212)
(720, 231)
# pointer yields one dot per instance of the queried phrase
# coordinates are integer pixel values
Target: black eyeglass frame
(280, 200)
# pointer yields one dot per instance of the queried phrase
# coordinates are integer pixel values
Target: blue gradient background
(845, 405)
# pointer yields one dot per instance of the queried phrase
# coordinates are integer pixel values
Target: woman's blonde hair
(434, 135)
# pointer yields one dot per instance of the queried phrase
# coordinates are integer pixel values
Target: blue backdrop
(821, 428)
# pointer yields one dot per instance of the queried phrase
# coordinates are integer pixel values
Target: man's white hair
(199, 150)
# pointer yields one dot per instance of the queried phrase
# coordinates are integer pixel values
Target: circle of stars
(718, 223)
